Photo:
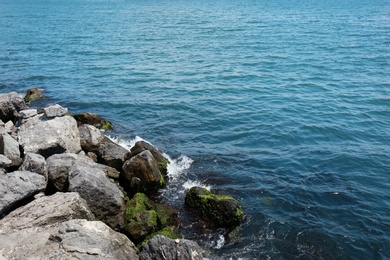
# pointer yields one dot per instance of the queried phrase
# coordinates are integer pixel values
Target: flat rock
(48, 137)
(55, 111)
(17, 186)
(162, 248)
(10, 104)
(27, 113)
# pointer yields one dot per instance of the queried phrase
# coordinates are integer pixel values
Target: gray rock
(59, 166)
(27, 113)
(5, 162)
(104, 197)
(9, 127)
(10, 104)
(10, 148)
(90, 138)
(34, 163)
(161, 248)
(55, 111)
(144, 167)
(48, 137)
(47, 210)
(17, 186)
(109, 171)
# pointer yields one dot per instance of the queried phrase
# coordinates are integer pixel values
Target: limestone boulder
(161, 248)
(142, 167)
(10, 104)
(222, 210)
(93, 119)
(33, 94)
(18, 186)
(9, 147)
(104, 197)
(45, 136)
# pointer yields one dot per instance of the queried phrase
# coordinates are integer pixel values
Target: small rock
(93, 119)
(10, 148)
(33, 94)
(55, 111)
(27, 113)
(5, 162)
(34, 163)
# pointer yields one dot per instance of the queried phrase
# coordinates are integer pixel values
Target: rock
(33, 94)
(59, 166)
(104, 197)
(55, 111)
(4, 162)
(27, 113)
(144, 167)
(223, 210)
(93, 119)
(47, 210)
(144, 217)
(90, 138)
(93, 156)
(141, 146)
(161, 248)
(48, 137)
(72, 239)
(9, 127)
(10, 148)
(109, 171)
(35, 163)
(17, 186)
(10, 105)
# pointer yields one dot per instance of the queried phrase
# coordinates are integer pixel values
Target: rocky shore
(67, 191)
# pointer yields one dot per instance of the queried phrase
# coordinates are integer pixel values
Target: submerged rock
(161, 248)
(93, 119)
(223, 210)
(33, 94)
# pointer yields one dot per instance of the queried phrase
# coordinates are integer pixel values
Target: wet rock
(34, 163)
(48, 137)
(144, 167)
(93, 119)
(18, 186)
(33, 94)
(104, 197)
(9, 147)
(161, 248)
(55, 111)
(223, 210)
(141, 146)
(10, 105)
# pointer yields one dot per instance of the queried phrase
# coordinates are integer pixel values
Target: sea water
(284, 105)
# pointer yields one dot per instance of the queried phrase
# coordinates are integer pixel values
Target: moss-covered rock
(145, 217)
(223, 210)
(93, 119)
(33, 94)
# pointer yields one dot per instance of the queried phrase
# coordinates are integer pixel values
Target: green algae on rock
(33, 94)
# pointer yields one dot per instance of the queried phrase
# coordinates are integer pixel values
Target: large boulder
(93, 119)
(34, 163)
(223, 210)
(49, 136)
(104, 197)
(144, 218)
(18, 186)
(143, 168)
(158, 155)
(161, 248)
(33, 94)
(10, 105)
(10, 148)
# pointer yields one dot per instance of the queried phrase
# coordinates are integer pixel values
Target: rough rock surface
(4, 161)
(17, 186)
(162, 248)
(10, 148)
(93, 119)
(144, 167)
(10, 104)
(33, 94)
(48, 137)
(27, 113)
(104, 197)
(55, 111)
(223, 210)
(90, 138)
(35, 163)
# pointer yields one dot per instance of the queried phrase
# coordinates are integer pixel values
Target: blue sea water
(283, 104)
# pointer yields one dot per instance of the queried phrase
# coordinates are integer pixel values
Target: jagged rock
(55, 111)
(223, 210)
(72, 239)
(10, 105)
(5, 162)
(104, 197)
(27, 113)
(144, 217)
(141, 146)
(93, 119)
(144, 167)
(34, 163)
(161, 248)
(93, 156)
(48, 137)
(10, 148)
(33, 94)
(17, 186)
(59, 166)
(47, 210)
(109, 171)
(90, 138)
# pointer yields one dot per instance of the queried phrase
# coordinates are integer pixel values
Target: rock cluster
(68, 191)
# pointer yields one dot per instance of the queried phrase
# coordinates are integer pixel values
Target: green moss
(162, 166)
(167, 231)
(106, 126)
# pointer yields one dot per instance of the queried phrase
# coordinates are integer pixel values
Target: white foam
(220, 242)
(126, 143)
(190, 183)
(176, 167)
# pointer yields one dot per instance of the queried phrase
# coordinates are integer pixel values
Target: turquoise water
(283, 104)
